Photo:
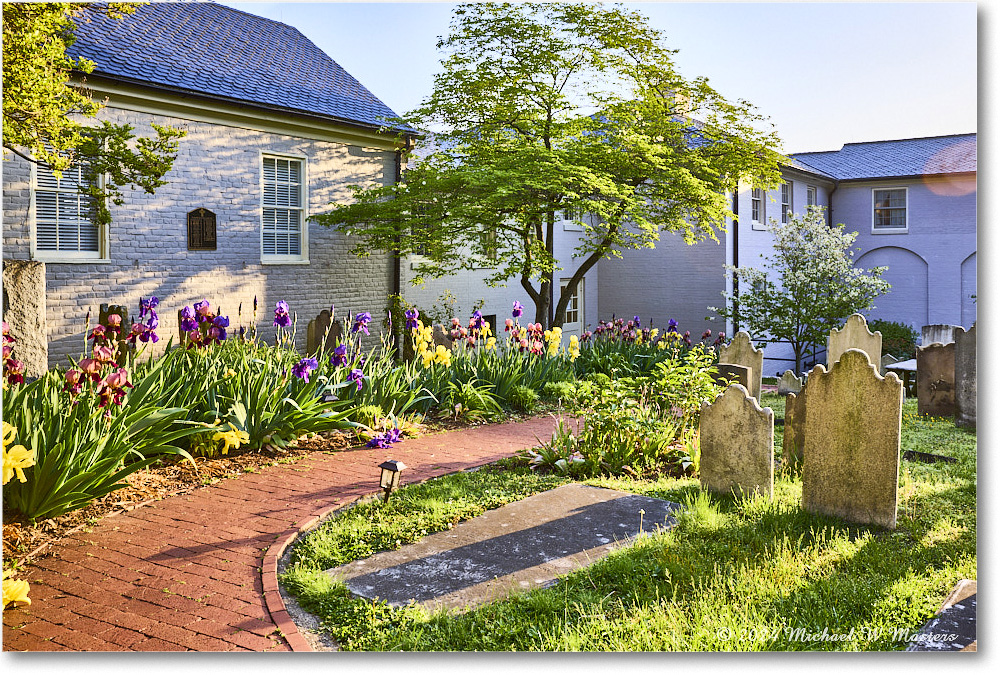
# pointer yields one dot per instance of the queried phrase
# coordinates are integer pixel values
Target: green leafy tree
(541, 108)
(48, 115)
(808, 286)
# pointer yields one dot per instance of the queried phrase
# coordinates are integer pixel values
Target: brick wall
(218, 168)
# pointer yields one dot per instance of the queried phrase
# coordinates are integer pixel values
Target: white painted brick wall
(218, 168)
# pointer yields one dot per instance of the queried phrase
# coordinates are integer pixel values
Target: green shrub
(559, 391)
(559, 455)
(367, 415)
(898, 339)
(522, 398)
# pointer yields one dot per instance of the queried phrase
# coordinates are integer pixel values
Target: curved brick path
(198, 571)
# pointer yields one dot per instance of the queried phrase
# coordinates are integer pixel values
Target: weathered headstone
(851, 447)
(737, 444)
(854, 335)
(793, 438)
(789, 384)
(24, 312)
(124, 326)
(730, 373)
(965, 377)
(441, 336)
(322, 327)
(936, 379)
(740, 351)
(938, 332)
(887, 360)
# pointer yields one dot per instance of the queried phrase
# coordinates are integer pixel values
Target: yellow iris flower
(17, 458)
(233, 438)
(15, 590)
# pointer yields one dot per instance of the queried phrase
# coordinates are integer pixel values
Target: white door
(574, 311)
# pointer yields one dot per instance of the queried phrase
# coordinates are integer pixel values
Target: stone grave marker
(965, 377)
(887, 360)
(938, 332)
(793, 438)
(737, 444)
(317, 330)
(851, 448)
(936, 379)
(24, 312)
(740, 351)
(104, 311)
(523, 545)
(731, 373)
(789, 384)
(854, 335)
(441, 336)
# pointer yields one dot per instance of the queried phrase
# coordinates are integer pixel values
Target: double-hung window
(283, 234)
(811, 196)
(889, 210)
(786, 200)
(64, 224)
(757, 209)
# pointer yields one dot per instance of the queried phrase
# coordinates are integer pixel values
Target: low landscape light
(390, 476)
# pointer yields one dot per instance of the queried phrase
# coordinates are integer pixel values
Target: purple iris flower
(302, 369)
(188, 322)
(518, 309)
(357, 376)
(339, 357)
(477, 320)
(411, 318)
(386, 439)
(221, 321)
(671, 326)
(361, 321)
(637, 321)
(148, 305)
(281, 318)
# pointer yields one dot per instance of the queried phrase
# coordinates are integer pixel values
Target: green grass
(734, 575)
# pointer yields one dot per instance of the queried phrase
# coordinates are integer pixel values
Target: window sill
(279, 261)
(887, 230)
(60, 260)
(760, 227)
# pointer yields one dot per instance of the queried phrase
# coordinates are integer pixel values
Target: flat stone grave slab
(516, 547)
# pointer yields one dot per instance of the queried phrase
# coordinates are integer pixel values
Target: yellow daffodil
(17, 458)
(14, 590)
(233, 438)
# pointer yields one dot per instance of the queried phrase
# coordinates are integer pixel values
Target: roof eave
(240, 103)
(908, 177)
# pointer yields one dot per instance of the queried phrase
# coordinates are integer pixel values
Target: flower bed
(76, 435)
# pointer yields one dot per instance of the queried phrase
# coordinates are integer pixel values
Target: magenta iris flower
(518, 309)
(281, 318)
(302, 369)
(339, 357)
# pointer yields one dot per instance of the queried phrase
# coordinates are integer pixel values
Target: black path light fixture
(390, 475)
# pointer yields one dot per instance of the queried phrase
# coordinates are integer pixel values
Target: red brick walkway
(198, 571)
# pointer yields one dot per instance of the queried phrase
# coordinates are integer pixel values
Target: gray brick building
(275, 132)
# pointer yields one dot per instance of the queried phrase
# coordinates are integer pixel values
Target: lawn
(734, 575)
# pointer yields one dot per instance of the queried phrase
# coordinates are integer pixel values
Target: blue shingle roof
(222, 52)
(887, 159)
